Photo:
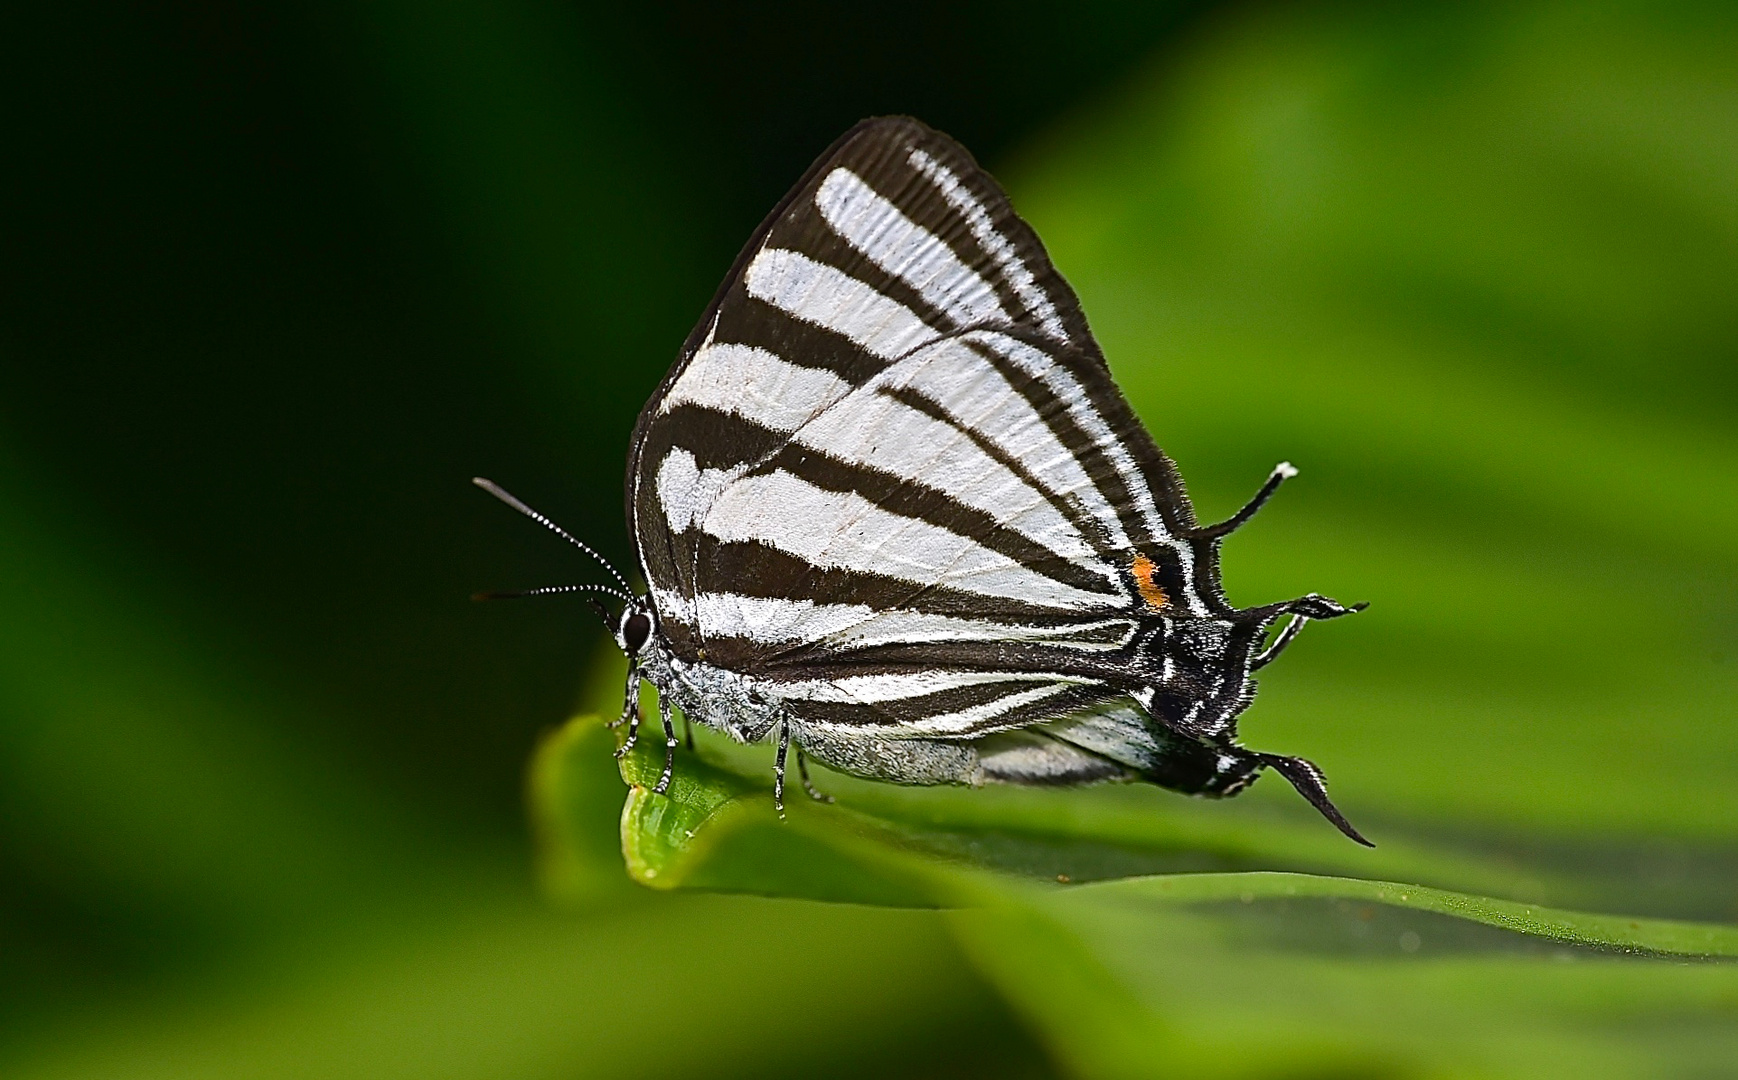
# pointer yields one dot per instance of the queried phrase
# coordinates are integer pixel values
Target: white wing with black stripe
(892, 442)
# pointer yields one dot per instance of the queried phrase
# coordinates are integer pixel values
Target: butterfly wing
(892, 238)
(895, 250)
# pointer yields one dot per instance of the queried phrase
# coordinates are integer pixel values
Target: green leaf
(1618, 932)
(1087, 964)
(717, 829)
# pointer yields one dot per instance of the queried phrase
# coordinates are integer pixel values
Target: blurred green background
(283, 277)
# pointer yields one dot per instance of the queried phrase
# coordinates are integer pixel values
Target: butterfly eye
(636, 628)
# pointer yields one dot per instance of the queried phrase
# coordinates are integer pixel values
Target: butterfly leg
(778, 769)
(1281, 473)
(663, 785)
(1267, 655)
(631, 711)
(1317, 606)
(687, 731)
(1302, 610)
(808, 786)
(630, 696)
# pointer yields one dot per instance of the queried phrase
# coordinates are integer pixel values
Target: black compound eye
(636, 628)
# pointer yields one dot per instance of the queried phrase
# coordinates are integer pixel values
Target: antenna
(551, 590)
(501, 493)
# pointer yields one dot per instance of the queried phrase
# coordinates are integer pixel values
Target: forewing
(893, 430)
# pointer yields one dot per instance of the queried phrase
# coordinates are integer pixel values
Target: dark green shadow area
(286, 276)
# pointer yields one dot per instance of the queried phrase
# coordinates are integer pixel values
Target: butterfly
(891, 508)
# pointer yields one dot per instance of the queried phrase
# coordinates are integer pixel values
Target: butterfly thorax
(724, 700)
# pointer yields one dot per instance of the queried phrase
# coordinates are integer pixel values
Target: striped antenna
(505, 496)
(551, 590)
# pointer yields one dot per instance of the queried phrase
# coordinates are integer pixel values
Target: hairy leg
(669, 745)
(630, 710)
(808, 786)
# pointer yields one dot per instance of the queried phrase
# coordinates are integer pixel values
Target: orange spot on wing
(1143, 570)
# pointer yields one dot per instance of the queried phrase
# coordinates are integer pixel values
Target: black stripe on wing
(822, 660)
(1115, 664)
(718, 440)
(1070, 509)
(913, 499)
(938, 714)
(755, 322)
(756, 569)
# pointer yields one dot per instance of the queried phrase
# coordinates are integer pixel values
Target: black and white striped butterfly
(891, 507)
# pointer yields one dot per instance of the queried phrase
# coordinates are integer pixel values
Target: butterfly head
(635, 627)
